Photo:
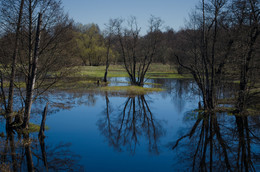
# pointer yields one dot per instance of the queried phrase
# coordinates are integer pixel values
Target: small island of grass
(130, 90)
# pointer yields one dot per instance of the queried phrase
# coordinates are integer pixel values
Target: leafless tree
(35, 60)
(246, 23)
(137, 51)
(109, 40)
(6, 4)
(206, 38)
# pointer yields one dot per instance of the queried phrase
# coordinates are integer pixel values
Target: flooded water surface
(154, 132)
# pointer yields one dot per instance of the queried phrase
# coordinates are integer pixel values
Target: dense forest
(41, 46)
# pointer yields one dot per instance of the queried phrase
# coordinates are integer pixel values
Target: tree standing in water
(137, 51)
(109, 39)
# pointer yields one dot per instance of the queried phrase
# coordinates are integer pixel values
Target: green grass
(35, 128)
(99, 71)
(130, 90)
(86, 77)
(155, 75)
(88, 83)
(155, 71)
(17, 84)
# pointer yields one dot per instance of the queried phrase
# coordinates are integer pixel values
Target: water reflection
(215, 141)
(125, 126)
(181, 91)
(136, 125)
(24, 152)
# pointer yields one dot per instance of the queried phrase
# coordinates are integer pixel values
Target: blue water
(101, 132)
(80, 126)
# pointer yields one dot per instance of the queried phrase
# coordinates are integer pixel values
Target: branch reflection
(215, 141)
(27, 153)
(124, 129)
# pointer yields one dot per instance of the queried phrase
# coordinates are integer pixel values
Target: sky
(172, 12)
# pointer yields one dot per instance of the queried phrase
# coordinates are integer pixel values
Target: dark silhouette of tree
(123, 130)
(109, 41)
(137, 51)
(34, 60)
(6, 4)
(215, 142)
(29, 154)
(246, 18)
(32, 75)
(204, 42)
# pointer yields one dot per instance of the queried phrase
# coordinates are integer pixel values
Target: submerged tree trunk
(2, 91)
(9, 109)
(32, 76)
(42, 128)
(43, 150)
(28, 153)
(10, 136)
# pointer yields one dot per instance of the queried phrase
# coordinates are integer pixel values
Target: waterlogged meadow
(105, 129)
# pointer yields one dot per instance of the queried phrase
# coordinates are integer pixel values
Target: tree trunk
(28, 153)
(9, 109)
(10, 136)
(32, 75)
(30, 50)
(107, 61)
(2, 91)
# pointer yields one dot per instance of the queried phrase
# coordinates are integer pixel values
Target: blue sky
(172, 12)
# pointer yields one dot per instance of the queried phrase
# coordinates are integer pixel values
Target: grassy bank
(90, 78)
(155, 71)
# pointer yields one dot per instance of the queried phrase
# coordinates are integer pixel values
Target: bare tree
(206, 38)
(137, 51)
(109, 39)
(35, 61)
(246, 21)
(32, 75)
(9, 108)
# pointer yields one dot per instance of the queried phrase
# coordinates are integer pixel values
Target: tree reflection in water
(215, 142)
(26, 153)
(124, 129)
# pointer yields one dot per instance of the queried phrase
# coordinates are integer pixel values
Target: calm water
(103, 132)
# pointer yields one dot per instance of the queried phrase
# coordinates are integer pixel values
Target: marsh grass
(98, 71)
(130, 90)
(155, 75)
(155, 71)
